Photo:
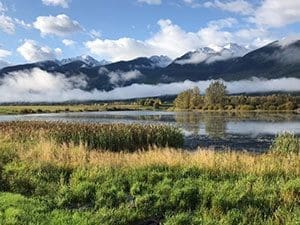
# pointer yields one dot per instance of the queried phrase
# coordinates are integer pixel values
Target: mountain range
(230, 63)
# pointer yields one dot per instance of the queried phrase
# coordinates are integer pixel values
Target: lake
(234, 130)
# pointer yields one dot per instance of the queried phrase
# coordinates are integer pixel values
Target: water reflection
(214, 125)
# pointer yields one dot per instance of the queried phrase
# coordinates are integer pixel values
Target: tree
(215, 93)
(183, 100)
(196, 100)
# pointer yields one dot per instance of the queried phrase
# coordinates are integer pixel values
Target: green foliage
(286, 143)
(113, 137)
(189, 99)
(216, 99)
(215, 93)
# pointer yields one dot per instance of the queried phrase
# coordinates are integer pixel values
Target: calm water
(243, 131)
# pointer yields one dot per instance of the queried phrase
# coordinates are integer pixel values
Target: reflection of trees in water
(216, 122)
(215, 126)
(189, 121)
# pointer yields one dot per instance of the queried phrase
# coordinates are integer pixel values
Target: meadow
(45, 181)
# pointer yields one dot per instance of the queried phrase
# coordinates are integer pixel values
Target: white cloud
(60, 25)
(277, 13)
(62, 3)
(121, 49)
(196, 57)
(68, 42)
(119, 77)
(173, 41)
(151, 2)
(95, 34)
(23, 24)
(7, 24)
(32, 51)
(237, 6)
(170, 40)
(192, 3)
(4, 53)
(38, 85)
(3, 9)
(253, 37)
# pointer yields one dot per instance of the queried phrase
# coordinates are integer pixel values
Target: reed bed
(113, 137)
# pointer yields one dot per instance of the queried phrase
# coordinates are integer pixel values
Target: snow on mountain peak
(88, 60)
(213, 53)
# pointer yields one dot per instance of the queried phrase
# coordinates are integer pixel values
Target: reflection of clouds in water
(256, 128)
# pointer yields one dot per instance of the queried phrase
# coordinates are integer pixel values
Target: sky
(35, 30)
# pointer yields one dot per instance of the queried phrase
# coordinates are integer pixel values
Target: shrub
(286, 143)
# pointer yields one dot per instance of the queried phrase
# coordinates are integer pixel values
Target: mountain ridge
(272, 61)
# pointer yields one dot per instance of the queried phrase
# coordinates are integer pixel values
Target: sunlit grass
(228, 161)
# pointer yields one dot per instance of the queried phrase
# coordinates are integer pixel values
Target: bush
(286, 143)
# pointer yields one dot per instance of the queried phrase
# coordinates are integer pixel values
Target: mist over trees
(216, 98)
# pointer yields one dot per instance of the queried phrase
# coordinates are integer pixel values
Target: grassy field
(45, 182)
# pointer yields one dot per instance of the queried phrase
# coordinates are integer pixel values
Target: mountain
(212, 54)
(86, 61)
(160, 61)
(235, 50)
(230, 62)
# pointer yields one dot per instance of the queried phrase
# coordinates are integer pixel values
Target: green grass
(45, 182)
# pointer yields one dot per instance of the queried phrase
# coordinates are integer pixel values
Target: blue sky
(33, 30)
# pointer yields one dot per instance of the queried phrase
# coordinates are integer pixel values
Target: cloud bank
(39, 86)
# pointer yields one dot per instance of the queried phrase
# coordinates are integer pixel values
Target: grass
(46, 182)
(113, 137)
(31, 109)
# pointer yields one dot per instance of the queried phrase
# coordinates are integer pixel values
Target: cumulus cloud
(62, 3)
(7, 24)
(237, 6)
(277, 13)
(4, 53)
(170, 40)
(32, 51)
(68, 42)
(36, 85)
(151, 2)
(60, 25)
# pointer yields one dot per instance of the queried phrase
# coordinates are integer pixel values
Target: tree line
(216, 98)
